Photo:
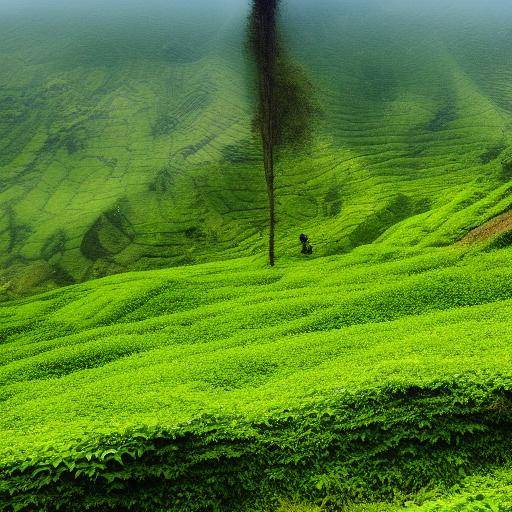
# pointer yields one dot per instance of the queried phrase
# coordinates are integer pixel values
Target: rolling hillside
(151, 361)
(125, 133)
(231, 386)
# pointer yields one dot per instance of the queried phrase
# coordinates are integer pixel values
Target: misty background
(144, 108)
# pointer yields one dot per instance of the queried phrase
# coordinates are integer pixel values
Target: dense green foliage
(375, 376)
(228, 386)
(123, 136)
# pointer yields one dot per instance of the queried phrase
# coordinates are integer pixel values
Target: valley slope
(126, 140)
(150, 360)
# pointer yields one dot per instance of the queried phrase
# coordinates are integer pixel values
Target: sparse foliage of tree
(284, 98)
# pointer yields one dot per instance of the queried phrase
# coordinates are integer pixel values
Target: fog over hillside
(152, 357)
(126, 138)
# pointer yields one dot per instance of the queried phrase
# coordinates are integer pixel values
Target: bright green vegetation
(232, 385)
(374, 377)
(473, 494)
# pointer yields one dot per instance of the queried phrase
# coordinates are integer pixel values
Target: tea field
(151, 361)
(231, 386)
(126, 143)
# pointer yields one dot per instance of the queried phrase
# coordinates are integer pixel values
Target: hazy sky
(451, 9)
(406, 5)
(119, 7)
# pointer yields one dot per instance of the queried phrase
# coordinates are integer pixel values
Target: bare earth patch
(500, 224)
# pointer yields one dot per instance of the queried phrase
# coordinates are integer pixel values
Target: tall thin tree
(264, 44)
(284, 99)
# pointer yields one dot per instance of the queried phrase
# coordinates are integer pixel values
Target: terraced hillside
(125, 132)
(113, 121)
(231, 386)
(151, 361)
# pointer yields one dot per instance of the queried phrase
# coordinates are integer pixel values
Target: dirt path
(500, 224)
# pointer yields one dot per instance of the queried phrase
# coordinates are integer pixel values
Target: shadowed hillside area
(150, 358)
(126, 140)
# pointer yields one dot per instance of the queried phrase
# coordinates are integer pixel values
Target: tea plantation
(126, 143)
(230, 386)
(151, 361)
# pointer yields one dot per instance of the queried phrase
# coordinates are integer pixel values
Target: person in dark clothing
(306, 246)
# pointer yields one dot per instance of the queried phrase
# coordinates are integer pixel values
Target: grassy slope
(118, 125)
(409, 353)
(124, 139)
(383, 373)
(473, 494)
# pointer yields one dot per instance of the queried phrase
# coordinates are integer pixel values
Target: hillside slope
(125, 134)
(151, 361)
(230, 386)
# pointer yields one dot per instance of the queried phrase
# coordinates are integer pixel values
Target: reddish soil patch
(500, 224)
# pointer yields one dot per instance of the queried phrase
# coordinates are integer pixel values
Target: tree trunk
(269, 175)
(283, 108)
(265, 46)
(269, 50)
(268, 161)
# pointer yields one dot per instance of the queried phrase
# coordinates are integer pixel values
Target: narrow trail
(500, 224)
